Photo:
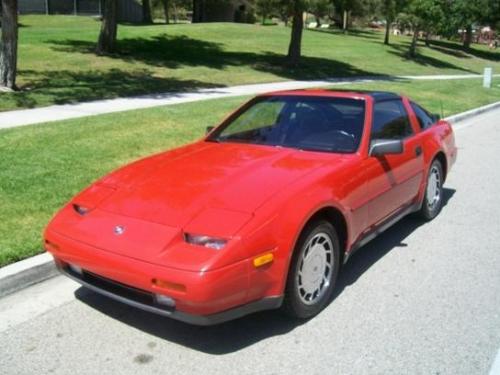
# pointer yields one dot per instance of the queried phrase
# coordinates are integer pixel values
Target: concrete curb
(471, 113)
(24, 273)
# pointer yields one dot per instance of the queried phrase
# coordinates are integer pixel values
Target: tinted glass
(424, 118)
(303, 122)
(390, 120)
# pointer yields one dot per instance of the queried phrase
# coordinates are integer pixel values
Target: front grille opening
(125, 291)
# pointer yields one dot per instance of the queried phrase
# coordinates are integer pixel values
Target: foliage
(423, 15)
(391, 8)
(57, 63)
(267, 8)
(357, 8)
(466, 12)
(178, 9)
(320, 9)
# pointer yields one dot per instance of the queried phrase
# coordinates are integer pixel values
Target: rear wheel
(433, 198)
(314, 270)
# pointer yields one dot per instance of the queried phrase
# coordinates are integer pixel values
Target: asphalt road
(420, 299)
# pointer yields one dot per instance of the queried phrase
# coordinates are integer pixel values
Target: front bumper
(146, 300)
(210, 297)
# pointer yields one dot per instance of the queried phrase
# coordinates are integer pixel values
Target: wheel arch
(441, 157)
(334, 216)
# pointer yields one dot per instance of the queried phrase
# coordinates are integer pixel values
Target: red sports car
(262, 212)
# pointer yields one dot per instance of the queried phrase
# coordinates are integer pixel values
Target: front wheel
(313, 271)
(433, 198)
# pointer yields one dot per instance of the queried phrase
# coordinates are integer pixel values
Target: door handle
(418, 151)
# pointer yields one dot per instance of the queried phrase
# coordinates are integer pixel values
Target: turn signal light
(50, 246)
(169, 285)
(263, 260)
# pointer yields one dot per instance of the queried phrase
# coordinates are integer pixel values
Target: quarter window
(390, 120)
(425, 120)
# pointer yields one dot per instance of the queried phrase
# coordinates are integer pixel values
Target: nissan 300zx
(262, 212)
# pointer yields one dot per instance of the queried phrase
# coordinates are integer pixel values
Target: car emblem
(119, 230)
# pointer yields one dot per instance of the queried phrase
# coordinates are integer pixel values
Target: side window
(424, 118)
(390, 120)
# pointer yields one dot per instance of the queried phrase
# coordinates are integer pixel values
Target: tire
(433, 197)
(305, 294)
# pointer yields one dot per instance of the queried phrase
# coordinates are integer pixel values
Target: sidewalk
(24, 117)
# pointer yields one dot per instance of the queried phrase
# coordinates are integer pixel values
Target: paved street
(420, 299)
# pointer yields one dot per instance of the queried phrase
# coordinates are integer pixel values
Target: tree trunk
(296, 37)
(387, 31)
(146, 12)
(413, 45)
(318, 21)
(468, 37)
(165, 11)
(176, 18)
(198, 11)
(344, 22)
(8, 51)
(107, 37)
(427, 38)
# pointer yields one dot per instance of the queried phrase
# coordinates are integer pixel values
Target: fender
(438, 140)
(291, 221)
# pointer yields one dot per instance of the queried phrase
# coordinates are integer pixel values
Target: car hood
(144, 209)
(173, 187)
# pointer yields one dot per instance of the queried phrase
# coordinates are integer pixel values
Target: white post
(74, 7)
(46, 7)
(488, 74)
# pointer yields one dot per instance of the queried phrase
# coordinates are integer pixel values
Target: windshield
(302, 122)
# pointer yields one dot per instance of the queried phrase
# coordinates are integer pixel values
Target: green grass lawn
(43, 166)
(57, 63)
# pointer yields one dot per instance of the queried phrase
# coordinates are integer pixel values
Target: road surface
(420, 299)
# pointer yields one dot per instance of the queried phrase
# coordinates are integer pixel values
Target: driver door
(392, 181)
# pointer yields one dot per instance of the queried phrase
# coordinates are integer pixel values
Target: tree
(170, 8)
(493, 14)
(411, 20)
(284, 9)
(422, 15)
(8, 51)
(146, 12)
(199, 10)
(431, 14)
(347, 9)
(463, 14)
(166, 4)
(265, 8)
(320, 9)
(107, 37)
(294, 49)
(390, 9)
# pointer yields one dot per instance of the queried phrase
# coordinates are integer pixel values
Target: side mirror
(379, 147)
(209, 129)
(436, 117)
